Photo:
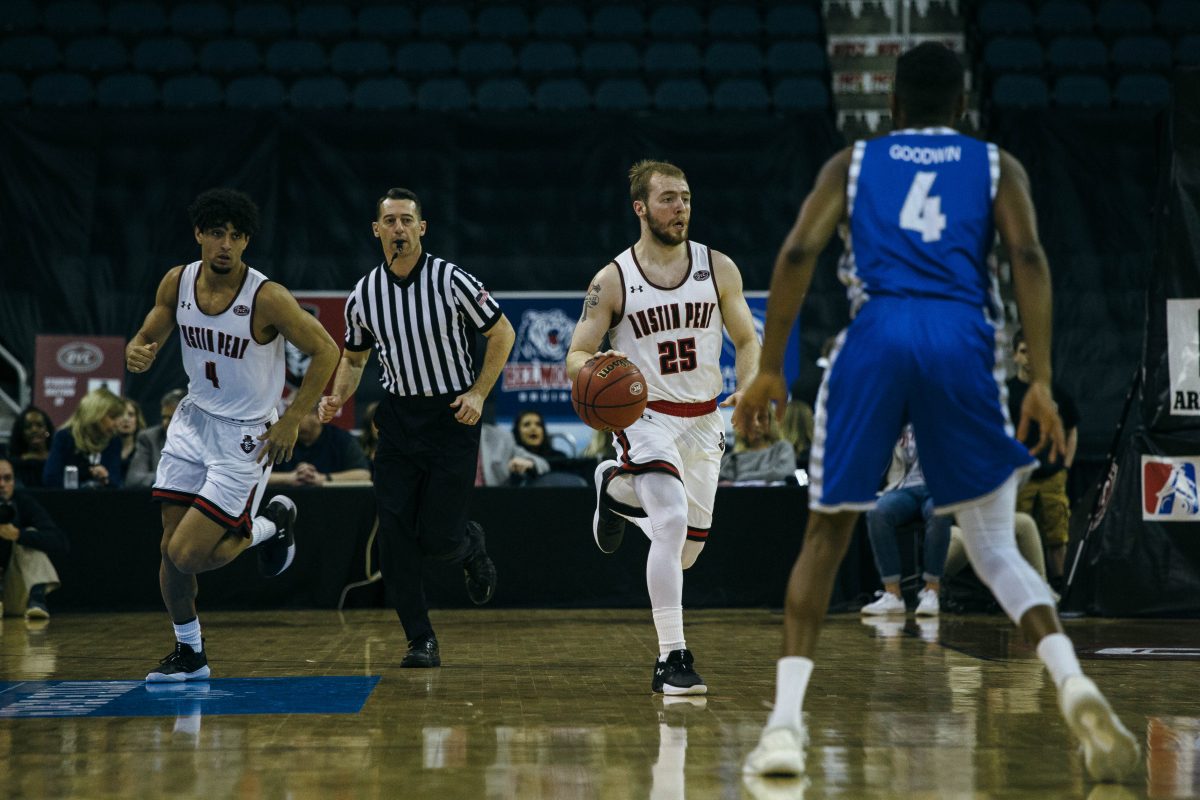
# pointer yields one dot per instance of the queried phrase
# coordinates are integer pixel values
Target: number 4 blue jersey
(920, 205)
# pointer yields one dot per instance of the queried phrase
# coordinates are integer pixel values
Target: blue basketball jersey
(920, 205)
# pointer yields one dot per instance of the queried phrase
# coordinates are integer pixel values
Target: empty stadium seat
(622, 94)
(741, 94)
(503, 94)
(1179, 16)
(560, 22)
(230, 57)
(200, 20)
(509, 23)
(1077, 54)
(793, 22)
(387, 22)
(1082, 91)
(801, 94)
(262, 21)
(796, 58)
(681, 94)
(734, 22)
(666, 59)
(29, 54)
(424, 59)
(562, 94)
(61, 90)
(1146, 91)
(605, 59)
(95, 54)
(444, 22)
(323, 93)
(255, 92)
(127, 91)
(444, 94)
(73, 18)
(618, 22)
(19, 16)
(486, 59)
(1013, 54)
(325, 22)
(1005, 17)
(295, 57)
(358, 59)
(12, 90)
(1019, 92)
(191, 92)
(1141, 54)
(137, 19)
(163, 55)
(732, 59)
(544, 59)
(1124, 18)
(675, 22)
(382, 94)
(1064, 18)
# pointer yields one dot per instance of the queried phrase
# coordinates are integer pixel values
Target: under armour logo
(633, 289)
(185, 304)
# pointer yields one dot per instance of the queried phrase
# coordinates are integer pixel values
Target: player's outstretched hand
(278, 440)
(468, 407)
(330, 407)
(1039, 407)
(139, 357)
(754, 404)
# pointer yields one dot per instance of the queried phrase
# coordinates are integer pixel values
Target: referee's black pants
(425, 467)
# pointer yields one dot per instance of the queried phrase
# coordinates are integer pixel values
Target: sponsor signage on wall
(68, 367)
(1183, 354)
(329, 309)
(1169, 489)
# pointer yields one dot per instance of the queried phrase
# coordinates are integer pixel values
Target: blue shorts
(936, 363)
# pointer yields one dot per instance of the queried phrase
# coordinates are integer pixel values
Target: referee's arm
(345, 381)
(469, 404)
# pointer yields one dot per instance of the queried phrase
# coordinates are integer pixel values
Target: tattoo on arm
(591, 301)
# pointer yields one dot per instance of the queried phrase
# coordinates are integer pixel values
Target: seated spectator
(150, 443)
(1029, 542)
(759, 456)
(28, 537)
(503, 462)
(906, 499)
(529, 431)
(89, 443)
(324, 454)
(797, 429)
(29, 445)
(129, 425)
(370, 433)
(600, 446)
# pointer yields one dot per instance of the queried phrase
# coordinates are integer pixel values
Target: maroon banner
(68, 367)
(329, 309)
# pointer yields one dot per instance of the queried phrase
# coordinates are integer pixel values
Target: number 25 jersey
(920, 205)
(230, 375)
(673, 333)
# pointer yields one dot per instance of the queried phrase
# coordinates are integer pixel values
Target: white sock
(189, 633)
(1058, 654)
(261, 530)
(669, 624)
(791, 681)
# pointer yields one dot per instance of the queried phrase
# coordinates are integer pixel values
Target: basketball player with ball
(663, 303)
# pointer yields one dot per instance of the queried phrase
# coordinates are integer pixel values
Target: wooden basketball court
(557, 704)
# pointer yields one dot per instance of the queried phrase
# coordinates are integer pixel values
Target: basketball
(609, 393)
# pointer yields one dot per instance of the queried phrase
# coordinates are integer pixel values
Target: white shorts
(208, 463)
(689, 448)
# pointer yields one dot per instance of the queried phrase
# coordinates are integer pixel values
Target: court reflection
(1173, 756)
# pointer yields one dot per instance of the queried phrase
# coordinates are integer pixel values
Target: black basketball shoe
(478, 569)
(676, 676)
(276, 554)
(182, 664)
(422, 653)
(608, 527)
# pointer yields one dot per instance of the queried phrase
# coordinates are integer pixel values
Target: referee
(416, 310)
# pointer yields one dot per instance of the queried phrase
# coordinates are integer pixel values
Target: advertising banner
(1183, 355)
(329, 309)
(1169, 489)
(68, 367)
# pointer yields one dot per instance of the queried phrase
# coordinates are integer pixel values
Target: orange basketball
(609, 392)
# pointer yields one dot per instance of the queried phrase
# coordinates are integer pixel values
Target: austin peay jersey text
(229, 374)
(674, 334)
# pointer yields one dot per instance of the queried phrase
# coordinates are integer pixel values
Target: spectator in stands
(370, 433)
(29, 445)
(759, 456)
(503, 462)
(797, 429)
(28, 536)
(151, 441)
(129, 425)
(1044, 495)
(1029, 542)
(324, 454)
(906, 499)
(529, 431)
(601, 447)
(89, 443)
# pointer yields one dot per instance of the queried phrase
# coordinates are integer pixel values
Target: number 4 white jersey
(230, 375)
(673, 333)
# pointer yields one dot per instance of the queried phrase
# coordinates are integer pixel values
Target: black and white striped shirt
(419, 325)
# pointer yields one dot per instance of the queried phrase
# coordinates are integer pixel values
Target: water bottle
(71, 477)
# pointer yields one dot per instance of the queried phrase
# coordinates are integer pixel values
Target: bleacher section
(137, 54)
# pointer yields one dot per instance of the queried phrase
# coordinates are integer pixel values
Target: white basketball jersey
(674, 334)
(229, 374)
